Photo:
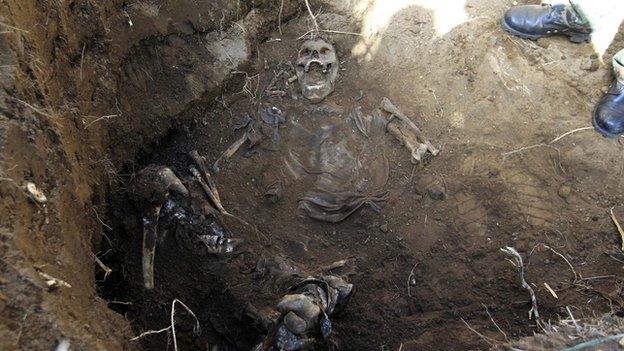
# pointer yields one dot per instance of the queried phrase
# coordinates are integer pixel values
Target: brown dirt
(475, 91)
(67, 124)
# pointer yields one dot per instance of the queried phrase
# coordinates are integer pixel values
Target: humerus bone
(389, 107)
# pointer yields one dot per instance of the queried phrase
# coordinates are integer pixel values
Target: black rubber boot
(538, 21)
(609, 113)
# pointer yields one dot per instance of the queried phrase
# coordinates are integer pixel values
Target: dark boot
(609, 113)
(537, 21)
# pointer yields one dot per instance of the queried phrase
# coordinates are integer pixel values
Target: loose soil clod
(34, 193)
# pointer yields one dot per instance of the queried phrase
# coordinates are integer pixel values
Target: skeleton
(340, 153)
(163, 200)
(154, 187)
(303, 314)
(406, 131)
(317, 69)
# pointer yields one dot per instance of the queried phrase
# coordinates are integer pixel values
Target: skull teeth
(324, 65)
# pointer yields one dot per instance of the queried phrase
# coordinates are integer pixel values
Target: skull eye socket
(306, 52)
(324, 50)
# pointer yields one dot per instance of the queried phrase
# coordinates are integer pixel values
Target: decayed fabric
(350, 169)
(304, 314)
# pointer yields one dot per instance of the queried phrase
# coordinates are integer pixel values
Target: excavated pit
(117, 87)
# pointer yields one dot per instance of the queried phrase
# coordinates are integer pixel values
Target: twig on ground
(10, 180)
(172, 326)
(316, 26)
(173, 332)
(39, 111)
(14, 28)
(21, 327)
(52, 282)
(494, 322)
(247, 87)
(100, 220)
(570, 132)
(279, 17)
(599, 277)
(490, 342)
(505, 154)
(99, 119)
(435, 97)
(578, 329)
(104, 267)
(551, 291)
(618, 260)
(517, 262)
(576, 275)
(84, 46)
(619, 227)
(409, 281)
(587, 344)
(509, 153)
(150, 332)
(328, 31)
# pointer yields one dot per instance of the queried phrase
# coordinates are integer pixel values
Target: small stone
(604, 90)
(593, 56)
(515, 3)
(543, 42)
(34, 193)
(185, 27)
(52, 285)
(590, 65)
(437, 192)
(384, 227)
(594, 66)
(564, 191)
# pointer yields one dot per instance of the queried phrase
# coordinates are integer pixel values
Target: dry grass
(574, 334)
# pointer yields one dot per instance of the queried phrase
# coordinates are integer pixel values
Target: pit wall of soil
(87, 87)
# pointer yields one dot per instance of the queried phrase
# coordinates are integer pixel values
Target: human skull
(317, 69)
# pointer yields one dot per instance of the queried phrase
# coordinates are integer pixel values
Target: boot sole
(603, 132)
(574, 37)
